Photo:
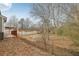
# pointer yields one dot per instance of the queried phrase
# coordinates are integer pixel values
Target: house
(2, 20)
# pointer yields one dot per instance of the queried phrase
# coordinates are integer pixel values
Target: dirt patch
(12, 46)
(57, 45)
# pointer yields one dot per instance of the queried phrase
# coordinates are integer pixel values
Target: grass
(71, 31)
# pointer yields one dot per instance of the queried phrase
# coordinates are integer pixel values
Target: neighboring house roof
(9, 27)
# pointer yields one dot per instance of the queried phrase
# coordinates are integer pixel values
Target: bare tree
(21, 23)
(27, 23)
(13, 21)
(51, 13)
(43, 11)
(74, 12)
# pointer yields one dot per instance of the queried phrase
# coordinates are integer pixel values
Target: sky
(20, 10)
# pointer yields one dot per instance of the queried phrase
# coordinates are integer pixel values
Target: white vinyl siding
(0, 24)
